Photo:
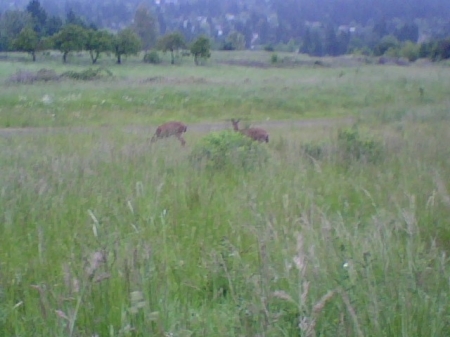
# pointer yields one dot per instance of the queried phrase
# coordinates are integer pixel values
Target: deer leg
(181, 139)
(153, 139)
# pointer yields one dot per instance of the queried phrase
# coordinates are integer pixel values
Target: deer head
(256, 134)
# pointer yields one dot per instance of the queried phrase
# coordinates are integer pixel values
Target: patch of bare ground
(293, 61)
(344, 61)
(175, 80)
(196, 127)
(162, 80)
(246, 63)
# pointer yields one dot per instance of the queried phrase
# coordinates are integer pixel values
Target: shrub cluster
(88, 74)
(355, 147)
(45, 75)
(228, 150)
(29, 77)
(152, 57)
(350, 146)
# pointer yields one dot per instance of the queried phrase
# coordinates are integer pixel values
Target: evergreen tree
(331, 46)
(145, 26)
(39, 16)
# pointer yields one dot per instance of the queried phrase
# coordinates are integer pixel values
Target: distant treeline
(34, 29)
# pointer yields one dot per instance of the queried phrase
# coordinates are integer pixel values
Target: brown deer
(257, 134)
(170, 129)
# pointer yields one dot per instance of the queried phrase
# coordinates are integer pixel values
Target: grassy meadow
(103, 234)
(140, 94)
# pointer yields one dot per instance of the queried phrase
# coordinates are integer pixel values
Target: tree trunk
(91, 54)
(65, 57)
(119, 60)
(196, 60)
(173, 57)
(33, 55)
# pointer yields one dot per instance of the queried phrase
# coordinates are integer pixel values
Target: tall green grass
(103, 234)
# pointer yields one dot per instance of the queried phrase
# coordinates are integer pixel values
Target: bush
(228, 46)
(228, 150)
(29, 77)
(274, 58)
(393, 52)
(88, 74)
(152, 57)
(386, 43)
(316, 151)
(353, 147)
(410, 51)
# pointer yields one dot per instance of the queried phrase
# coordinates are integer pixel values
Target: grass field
(145, 94)
(104, 235)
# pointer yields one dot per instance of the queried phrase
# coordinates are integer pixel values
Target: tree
(410, 50)
(12, 23)
(441, 50)
(73, 19)
(343, 40)
(237, 40)
(331, 43)
(145, 25)
(98, 41)
(70, 38)
(126, 42)
(312, 43)
(386, 43)
(27, 41)
(307, 42)
(201, 49)
(39, 16)
(407, 32)
(53, 25)
(171, 42)
(380, 28)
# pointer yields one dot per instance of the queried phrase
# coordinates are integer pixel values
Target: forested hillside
(315, 27)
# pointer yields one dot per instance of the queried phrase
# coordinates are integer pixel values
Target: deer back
(257, 134)
(171, 128)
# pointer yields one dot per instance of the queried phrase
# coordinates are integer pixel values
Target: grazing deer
(257, 134)
(170, 129)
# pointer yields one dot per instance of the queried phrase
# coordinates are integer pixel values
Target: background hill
(272, 20)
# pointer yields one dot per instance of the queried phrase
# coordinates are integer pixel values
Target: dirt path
(198, 127)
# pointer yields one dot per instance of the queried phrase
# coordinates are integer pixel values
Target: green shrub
(88, 74)
(28, 77)
(410, 51)
(274, 58)
(315, 150)
(392, 52)
(152, 57)
(354, 147)
(386, 43)
(228, 150)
